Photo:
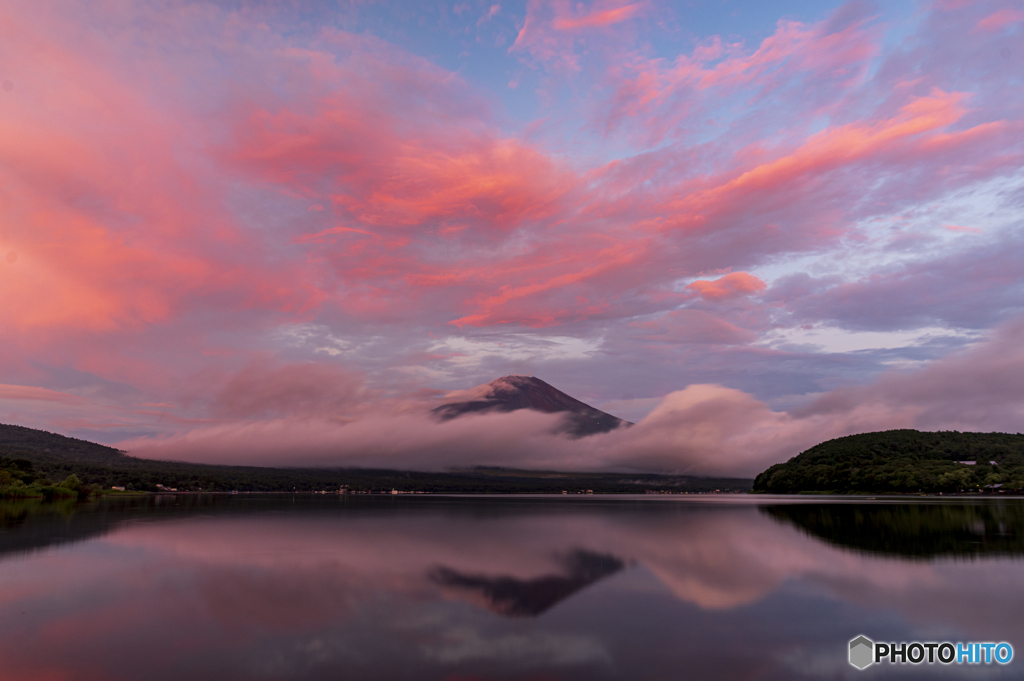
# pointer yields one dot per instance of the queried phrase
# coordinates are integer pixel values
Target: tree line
(902, 461)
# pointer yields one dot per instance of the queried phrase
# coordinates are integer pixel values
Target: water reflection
(507, 595)
(304, 588)
(981, 528)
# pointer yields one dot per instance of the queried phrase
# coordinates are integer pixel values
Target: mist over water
(309, 587)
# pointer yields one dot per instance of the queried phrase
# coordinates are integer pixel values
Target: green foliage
(20, 479)
(901, 461)
(51, 492)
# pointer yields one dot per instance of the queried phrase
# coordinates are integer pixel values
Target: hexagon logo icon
(862, 652)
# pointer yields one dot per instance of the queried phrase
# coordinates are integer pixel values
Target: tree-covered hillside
(902, 461)
(42, 445)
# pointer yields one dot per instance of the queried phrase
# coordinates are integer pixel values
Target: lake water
(460, 588)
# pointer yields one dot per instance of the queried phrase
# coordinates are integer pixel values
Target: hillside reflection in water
(498, 588)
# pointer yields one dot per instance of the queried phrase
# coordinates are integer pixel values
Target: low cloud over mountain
(701, 429)
(511, 393)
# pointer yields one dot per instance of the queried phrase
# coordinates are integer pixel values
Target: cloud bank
(702, 429)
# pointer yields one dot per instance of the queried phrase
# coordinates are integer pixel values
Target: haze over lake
(310, 587)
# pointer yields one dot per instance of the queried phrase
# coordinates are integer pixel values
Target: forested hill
(21, 442)
(902, 461)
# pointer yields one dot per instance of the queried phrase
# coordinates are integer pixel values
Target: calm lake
(459, 588)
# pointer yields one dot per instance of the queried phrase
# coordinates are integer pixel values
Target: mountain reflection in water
(497, 588)
(530, 597)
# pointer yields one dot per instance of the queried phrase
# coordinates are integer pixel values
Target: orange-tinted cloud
(729, 286)
(828, 150)
(598, 18)
(110, 227)
(384, 180)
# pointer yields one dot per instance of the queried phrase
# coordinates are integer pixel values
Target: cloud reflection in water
(432, 588)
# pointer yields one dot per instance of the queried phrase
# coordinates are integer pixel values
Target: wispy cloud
(654, 209)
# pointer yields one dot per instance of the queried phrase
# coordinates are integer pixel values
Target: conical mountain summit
(510, 393)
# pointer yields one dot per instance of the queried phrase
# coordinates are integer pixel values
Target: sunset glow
(241, 232)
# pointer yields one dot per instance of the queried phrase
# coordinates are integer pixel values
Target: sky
(277, 232)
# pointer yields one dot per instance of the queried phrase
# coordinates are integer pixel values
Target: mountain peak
(511, 393)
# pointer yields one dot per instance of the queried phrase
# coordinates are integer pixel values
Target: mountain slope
(511, 393)
(40, 445)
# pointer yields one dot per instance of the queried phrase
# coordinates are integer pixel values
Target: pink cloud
(729, 286)
(551, 27)
(382, 260)
(385, 180)
(159, 196)
(373, 135)
(662, 96)
(27, 392)
(1000, 19)
(599, 18)
(491, 13)
(111, 228)
(834, 147)
(692, 326)
(265, 388)
(505, 306)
